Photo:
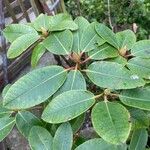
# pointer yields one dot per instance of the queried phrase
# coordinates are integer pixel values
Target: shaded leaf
(141, 49)
(111, 122)
(77, 123)
(138, 98)
(37, 53)
(21, 44)
(119, 59)
(107, 34)
(4, 111)
(13, 31)
(90, 38)
(139, 118)
(140, 66)
(25, 121)
(139, 140)
(100, 144)
(77, 35)
(67, 106)
(40, 139)
(63, 138)
(74, 79)
(6, 125)
(59, 43)
(102, 52)
(126, 39)
(35, 87)
(113, 76)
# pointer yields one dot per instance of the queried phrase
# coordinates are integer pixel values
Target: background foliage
(123, 13)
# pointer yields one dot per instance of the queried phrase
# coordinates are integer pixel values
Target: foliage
(105, 73)
(123, 13)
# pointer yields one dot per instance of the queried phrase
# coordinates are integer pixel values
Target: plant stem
(109, 15)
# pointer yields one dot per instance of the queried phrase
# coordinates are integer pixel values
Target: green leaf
(139, 118)
(14, 31)
(25, 121)
(42, 21)
(74, 79)
(59, 43)
(63, 138)
(138, 98)
(4, 111)
(40, 139)
(67, 106)
(21, 44)
(37, 53)
(35, 87)
(119, 59)
(77, 35)
(90, 38)
(61, 22)
(139, 140)
(100, 144)
(126, 39)
(107, 34)
(102, 52)
(113, 76)
(77, 123)
(141, 49)
(6, 125)
(111, 122)
(6, 88)
(140, 66)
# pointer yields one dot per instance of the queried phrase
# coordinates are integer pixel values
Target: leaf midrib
(33, 87)
(72, 105)
(104, 74)
(112, 122)
(135, 98)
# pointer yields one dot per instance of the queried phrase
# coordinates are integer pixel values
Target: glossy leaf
(90, 39)
(37, 53)
(111, 122)
(139, 118)
(138, 98)
(141, 49)
(63, 138)
(100, 144)
(113, 76)
(35, 87)
(139, 140)
(40, 139)
(77, 35)
(6, 125)
(41, 22)
(61, 22)
(25, 121)
(13, 31)
(67, 106)
(126, 39)
(102, 52)
(140, 66)
(74, 79)
(21, 44)
(59, 43)
(107, 35)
